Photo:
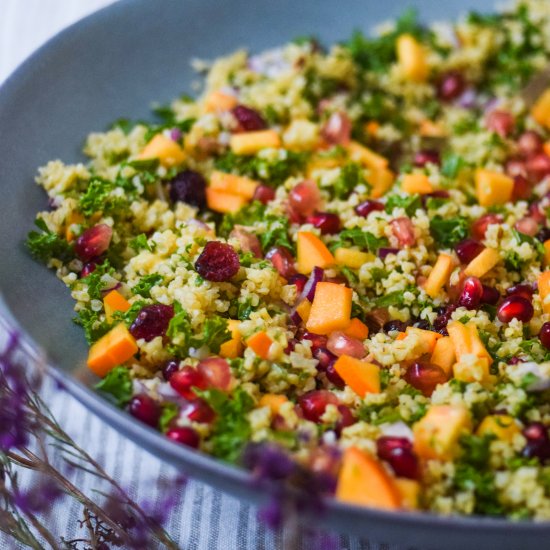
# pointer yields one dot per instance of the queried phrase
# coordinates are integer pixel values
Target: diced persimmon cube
(546, 245)
(444, 355)
(365, 156)
(273, 401)
(304, 309)
(350, 257)
(114, 301)
(249, 143)
(541, 109)
(232, 348)
(230, 183)
(436, 435)
(112, 349)
(503, 426)
(409, 491)
(357, 329)
(471, 368)
(331, 308)
(482, 263)
(360, 376)
(312, 252)
(411, 58)
(493, 188)
(363, 481)
(219, 101)
(219, 201)
(416, 183)
(260, 343)
(166, 150)
(381, 179)
(544, 290)
(439, 275)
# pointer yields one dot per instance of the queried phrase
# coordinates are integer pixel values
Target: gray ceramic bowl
(115, 63)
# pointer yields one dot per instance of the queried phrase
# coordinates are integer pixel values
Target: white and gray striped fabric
(203, 519)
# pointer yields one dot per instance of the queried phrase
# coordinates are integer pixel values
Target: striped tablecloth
(204, 519)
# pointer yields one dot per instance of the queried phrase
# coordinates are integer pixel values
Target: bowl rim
(148, 438)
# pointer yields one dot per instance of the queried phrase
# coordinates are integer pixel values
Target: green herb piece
(179, 332)
(117, 385)
(95, 280)
(396, 298)
(358, 237)
(410, 203)
(214, 334)
(45, 245)
(168, 413)
(447, 232)
(146, 283)
(98, 198)
(451, 165)
(244, 309)
(248, 215)
(231, 430)
(140, 243)
(276, 233)
(94, 327)
(351, 175)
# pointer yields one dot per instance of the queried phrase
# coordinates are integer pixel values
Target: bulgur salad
(343, 252)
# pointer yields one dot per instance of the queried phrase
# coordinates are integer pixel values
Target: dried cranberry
(93, 242)
(443, 319)
(169, 368)
(424, 325)
(425, 377)
(366, 207)
(472, 292)
(314, 403)
(468, 249)
(152, 321)
(217, 262)
(398, 452)
(145, 409)
(198, 410)
(184, 380)
(325, 221)
(394, 325)
(515, 307)
(189, 187)
(184, 436)
(544, 335)
(264, 194)
(530, 143)
(282, 261)
(451, 86)
(427, 156)
(248, 119)
(538, 442)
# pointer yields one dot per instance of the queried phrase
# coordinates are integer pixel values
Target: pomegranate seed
(264, 194)
(538, 443)
(515, 307)
(544, 234)
(425, 377)
(527, 226)
(87, 269)
(427, 156)
(346, 419)
(395, 325)
(217, 262)
(145, 409)
(515, 167)
(537, 213)
(472, 293)
(490, 295)
(189, 187)
(366, 207)
(403, 231)
(325, 221)
(198, 410)
(530, 143)
(282, 261)
(169, 368)
(184, 435)
(93, 242)
(524, 289)
(325, 358)
(152, 321)
(441, 321)
(216, 372)
(398, 452)
(522, 188)
(299, 281)
(247, 241)
(337, 129)
(451, 86)
(538, 166)
(544, 335)
(248, 119)
(342, 344)
(468, 249)
(479, 227)
(500, 122)
(314, 403)
(304, 198)
(184, 380)
(317, 341)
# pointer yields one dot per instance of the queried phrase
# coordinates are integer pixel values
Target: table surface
(204, 518)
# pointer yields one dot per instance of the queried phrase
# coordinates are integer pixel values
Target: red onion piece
(309, 289)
